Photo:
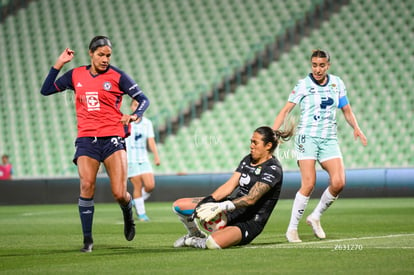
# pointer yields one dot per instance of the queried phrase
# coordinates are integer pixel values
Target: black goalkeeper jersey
(270, 172)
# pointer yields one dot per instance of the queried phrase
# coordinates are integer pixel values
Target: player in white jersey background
(319, 95)
(140, 171)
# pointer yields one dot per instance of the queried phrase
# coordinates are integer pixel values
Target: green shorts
(139, 168)
(320, 149)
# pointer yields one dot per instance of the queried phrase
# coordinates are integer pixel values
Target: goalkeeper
(256, 184)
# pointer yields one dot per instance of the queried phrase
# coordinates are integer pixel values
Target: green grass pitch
(364, 236)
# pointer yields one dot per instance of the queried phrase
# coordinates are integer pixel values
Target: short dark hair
(99, 41)
(321, 54)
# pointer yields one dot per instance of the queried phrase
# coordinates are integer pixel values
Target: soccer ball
(218, 222)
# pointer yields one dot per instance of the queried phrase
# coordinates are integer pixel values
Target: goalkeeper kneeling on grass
(258, 180)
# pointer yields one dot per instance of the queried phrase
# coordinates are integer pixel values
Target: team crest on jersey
(334, 88)
(92, 101)
(107, 86)
(258, 170)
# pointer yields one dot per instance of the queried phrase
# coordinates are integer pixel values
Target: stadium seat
(172, 47)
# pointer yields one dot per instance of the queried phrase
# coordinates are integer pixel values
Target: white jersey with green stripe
(318, 105)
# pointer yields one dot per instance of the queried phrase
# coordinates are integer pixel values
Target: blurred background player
(319, 95)
(99, 88)
(258, 180)
(6, 168)
(140, 171)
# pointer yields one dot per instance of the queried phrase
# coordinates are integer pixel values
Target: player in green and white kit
(140, 171)
(319, 95)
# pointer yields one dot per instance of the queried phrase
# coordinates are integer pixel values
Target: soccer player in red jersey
(99, 88)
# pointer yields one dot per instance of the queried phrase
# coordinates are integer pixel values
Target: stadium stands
(175, 49)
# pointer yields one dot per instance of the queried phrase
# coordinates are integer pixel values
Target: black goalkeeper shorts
(250, 229)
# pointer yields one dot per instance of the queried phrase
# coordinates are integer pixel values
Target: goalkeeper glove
(208, 211)
(204, 200)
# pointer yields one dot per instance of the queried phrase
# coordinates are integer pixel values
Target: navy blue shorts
(98, 148)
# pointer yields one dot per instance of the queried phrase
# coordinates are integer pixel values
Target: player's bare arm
(65, 57)
(352, 121)
(281, 117)
(257, 191)
(227, 188)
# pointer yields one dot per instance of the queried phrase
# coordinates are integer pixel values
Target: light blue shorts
(320, 149)
(139, 168)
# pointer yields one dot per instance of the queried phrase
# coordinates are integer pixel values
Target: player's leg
(240, 233)
(308, 180)
(137, 186)
(226, 237)
(331, 161)
(307, 153)
(148, 183)
(87, 169)
(184, 208)
(335, 169)
(223, 238)
(138, 199)
(116, 167)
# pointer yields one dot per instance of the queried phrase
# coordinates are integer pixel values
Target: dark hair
(321, 54)
(274, 136)
(99, 41)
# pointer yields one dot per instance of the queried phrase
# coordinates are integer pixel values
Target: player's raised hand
(65, 57)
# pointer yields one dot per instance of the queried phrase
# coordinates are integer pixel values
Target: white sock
(298, 208)
(211, 243)
(190, 225)
(326, 200)
(139, 205)
(145, 195)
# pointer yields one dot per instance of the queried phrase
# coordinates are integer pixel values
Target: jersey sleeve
(51, 85)
(241, 164)
(298, 92)
(343, 99)
(271, 174)
(128, 86)
(342, 88)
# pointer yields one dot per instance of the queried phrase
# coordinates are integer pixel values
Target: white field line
(322, 244)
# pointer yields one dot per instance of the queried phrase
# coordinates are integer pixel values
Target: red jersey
(98, 98)
(5, 171)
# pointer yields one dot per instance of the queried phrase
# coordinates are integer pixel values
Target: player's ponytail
(275, 136)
